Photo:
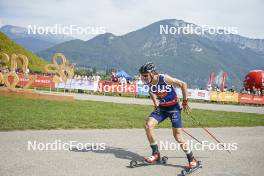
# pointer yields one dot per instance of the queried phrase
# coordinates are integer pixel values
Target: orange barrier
(40, 81)
(224, 96)
(251, 99)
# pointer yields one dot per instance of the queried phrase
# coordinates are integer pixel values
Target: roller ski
(192, 167)
(153, 159)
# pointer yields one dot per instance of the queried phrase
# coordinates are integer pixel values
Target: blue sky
(123, 16)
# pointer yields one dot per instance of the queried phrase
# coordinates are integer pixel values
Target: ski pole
(206, 130)
(191, 135)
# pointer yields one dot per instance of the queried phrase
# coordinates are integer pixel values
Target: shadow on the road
(116, 151)
(122, 154)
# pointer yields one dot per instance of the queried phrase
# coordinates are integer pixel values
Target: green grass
(22, 114)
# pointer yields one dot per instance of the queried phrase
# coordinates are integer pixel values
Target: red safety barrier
(251, 99)
(113, 87)
(41, 81)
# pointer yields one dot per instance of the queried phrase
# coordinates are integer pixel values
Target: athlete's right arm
(154, 99)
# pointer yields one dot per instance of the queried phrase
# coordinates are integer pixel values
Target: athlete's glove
(186, 107)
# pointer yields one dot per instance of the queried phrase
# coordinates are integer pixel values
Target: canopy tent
(122, 73)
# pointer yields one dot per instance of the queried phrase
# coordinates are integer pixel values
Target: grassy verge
(21, 114)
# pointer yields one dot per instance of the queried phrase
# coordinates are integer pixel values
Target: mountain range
(188, 57)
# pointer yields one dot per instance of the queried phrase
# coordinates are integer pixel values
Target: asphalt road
(119, 146)
(140, 101)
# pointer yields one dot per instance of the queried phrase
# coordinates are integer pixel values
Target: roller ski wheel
(164, 160)
(188, 170)
(134, 163)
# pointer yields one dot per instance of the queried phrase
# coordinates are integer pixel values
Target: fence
(141, 90)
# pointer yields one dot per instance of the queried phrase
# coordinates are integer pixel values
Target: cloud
(120, 17)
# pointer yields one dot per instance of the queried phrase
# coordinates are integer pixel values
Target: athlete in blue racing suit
(162, 92)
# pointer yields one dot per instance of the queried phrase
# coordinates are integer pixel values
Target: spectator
(258, 92)
(209, 87)
(122, 80)
(97, 78)
(254, 90)
(114, 79)
(243, 91)
(138, 80)
(79, 77)
(90, 78)
(248, 91)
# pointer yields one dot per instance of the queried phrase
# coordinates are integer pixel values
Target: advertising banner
(251, 99)
(40, 81)
(195, 94)
(78, 84)
(224, 96)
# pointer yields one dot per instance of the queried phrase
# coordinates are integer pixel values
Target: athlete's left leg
(175, 117)
(177, 133)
